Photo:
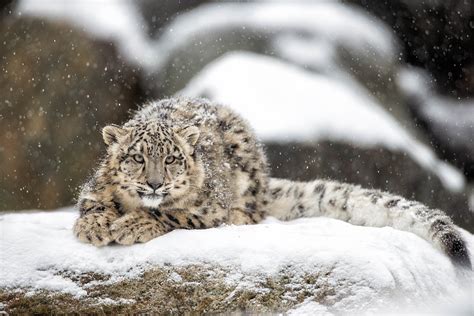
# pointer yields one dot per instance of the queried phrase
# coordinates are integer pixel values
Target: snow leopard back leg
(365, 207)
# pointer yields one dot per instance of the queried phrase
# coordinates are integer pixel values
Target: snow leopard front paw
(94, 229)
(133, 228)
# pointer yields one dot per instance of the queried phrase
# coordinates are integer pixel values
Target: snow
(364, 263)
(310, 308)
(415, 82)
(283, 102)
(109, 301)
(451, 119)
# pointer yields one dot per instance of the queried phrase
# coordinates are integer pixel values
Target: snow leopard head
(152, 162)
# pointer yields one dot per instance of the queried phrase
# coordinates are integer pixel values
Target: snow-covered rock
(309, 23)
(341, 267)
(109, 20)
(449, 122)
(310, 34)
(158, 13)
(285, 103)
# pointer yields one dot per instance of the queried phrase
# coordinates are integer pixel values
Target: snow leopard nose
(154, 176)
(155, 185)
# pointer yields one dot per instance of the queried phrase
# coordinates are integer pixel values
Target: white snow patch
(414, 82)
(175, 277)
(109, 301)
(365, 262)
(283, 103)
(309, 308)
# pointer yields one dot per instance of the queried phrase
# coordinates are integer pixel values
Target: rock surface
(312, 35)
(159, 13)
(58, 89)
(6, 7)
(450, 126)
(448, 122)
(436, 35)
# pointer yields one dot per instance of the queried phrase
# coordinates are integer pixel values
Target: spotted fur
(190, 164)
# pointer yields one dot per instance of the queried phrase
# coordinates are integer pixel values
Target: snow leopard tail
(289, 200)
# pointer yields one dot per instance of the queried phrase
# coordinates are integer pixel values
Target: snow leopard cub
(188, 163)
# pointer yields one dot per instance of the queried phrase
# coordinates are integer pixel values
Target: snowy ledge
(307, 265)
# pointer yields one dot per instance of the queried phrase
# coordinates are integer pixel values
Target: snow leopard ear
(112, 133)
(190, 134)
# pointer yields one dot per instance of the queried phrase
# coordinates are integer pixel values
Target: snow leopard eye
(169, 160)
(138, 158)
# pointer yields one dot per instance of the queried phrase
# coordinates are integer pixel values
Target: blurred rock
(370, 167)
(158, 13)
(6, 7)
(6, 4)
(436, 35)
(118, 22)
(311, 35)
(448, 122)
(58, 89)
(450, 126)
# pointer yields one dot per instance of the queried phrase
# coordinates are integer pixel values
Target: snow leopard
(184, 163)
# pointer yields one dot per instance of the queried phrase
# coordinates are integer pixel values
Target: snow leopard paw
(94, 229)
(133, 228)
